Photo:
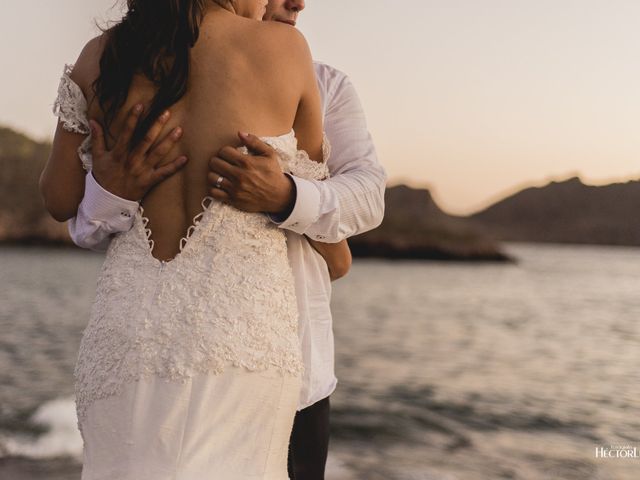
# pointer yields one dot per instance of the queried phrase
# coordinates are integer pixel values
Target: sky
(473, 99)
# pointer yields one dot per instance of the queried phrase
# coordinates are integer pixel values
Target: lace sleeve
(71, 108)
(302, 166)
(70, 105)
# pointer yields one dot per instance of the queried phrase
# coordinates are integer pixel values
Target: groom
(348, 203)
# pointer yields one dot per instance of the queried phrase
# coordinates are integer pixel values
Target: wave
(61, 437)
(403, 414)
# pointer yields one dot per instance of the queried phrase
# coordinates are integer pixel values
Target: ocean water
(447, 371)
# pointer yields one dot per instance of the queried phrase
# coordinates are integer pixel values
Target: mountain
(414, 226)
(567, 212)
(23, 218)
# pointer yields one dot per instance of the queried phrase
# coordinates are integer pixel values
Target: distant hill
(414, 226)
(567, 212)
(23, 218)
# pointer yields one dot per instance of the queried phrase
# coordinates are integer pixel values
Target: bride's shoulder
(283, 39)
(87, 67)
(279, 28)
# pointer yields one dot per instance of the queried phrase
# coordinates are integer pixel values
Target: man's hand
(251, 183)
(131, 174)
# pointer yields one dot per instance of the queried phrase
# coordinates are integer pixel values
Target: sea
(446, 370)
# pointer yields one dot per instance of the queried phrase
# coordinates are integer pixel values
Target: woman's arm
(62, 180)
(337, 256)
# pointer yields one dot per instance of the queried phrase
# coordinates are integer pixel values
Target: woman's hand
(127, 174)
(130, 174)
(337, 256)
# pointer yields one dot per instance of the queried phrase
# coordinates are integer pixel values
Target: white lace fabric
(71, 107)
(227, 298)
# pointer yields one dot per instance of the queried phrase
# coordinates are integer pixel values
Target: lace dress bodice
(227, 298)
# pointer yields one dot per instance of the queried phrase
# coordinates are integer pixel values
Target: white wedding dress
(190, 369)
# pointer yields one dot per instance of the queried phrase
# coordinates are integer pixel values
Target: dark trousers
(309, 443)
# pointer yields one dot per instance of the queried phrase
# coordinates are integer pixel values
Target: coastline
(25, 468)
(390, 249)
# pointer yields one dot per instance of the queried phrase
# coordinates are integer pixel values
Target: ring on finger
(219, 181)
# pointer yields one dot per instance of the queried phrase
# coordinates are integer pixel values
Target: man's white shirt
(349, 203)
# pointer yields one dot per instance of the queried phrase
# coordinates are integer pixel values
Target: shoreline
(380, 250)
(26, 468)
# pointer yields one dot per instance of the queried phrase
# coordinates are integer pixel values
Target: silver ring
(219, 181)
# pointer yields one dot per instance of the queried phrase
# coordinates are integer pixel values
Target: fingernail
(244, 134)
(183, 160)
(165, 115)
(138, 108)
(177, 133)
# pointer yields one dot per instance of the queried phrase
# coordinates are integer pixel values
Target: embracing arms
(62, 180)
(102, 212)
(127, 174)
(348, 203)
(119, 179)
(351, 201)
(253, 183)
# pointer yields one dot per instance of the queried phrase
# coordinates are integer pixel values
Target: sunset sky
(471, 98)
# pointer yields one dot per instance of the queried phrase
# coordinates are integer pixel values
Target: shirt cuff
(100, 204)
(306, 209)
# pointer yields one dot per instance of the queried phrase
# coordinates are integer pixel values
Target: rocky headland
(414, 227)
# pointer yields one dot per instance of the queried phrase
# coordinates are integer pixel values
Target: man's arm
(100, 215)
(348, 203)
(254, 183)
(352, 200)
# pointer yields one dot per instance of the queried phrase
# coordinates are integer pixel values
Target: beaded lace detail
(292, 160)
(71, 107)
(227, 298)
(206, 202)
(297, 162)
(196, 221)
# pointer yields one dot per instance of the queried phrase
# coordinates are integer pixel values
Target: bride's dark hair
(153, 39)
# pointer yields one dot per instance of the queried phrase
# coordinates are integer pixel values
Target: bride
(190, 365)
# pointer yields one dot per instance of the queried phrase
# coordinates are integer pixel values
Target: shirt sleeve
(100, 214)
(351, 201)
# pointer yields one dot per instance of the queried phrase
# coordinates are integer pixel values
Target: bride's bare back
(244, 75)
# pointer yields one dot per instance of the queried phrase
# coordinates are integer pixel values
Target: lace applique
(84, 152)
(147, 231)
(302, 166)
(326, 149)
(297, 162)
(228, 298)
(206, 203)
(71, 107)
